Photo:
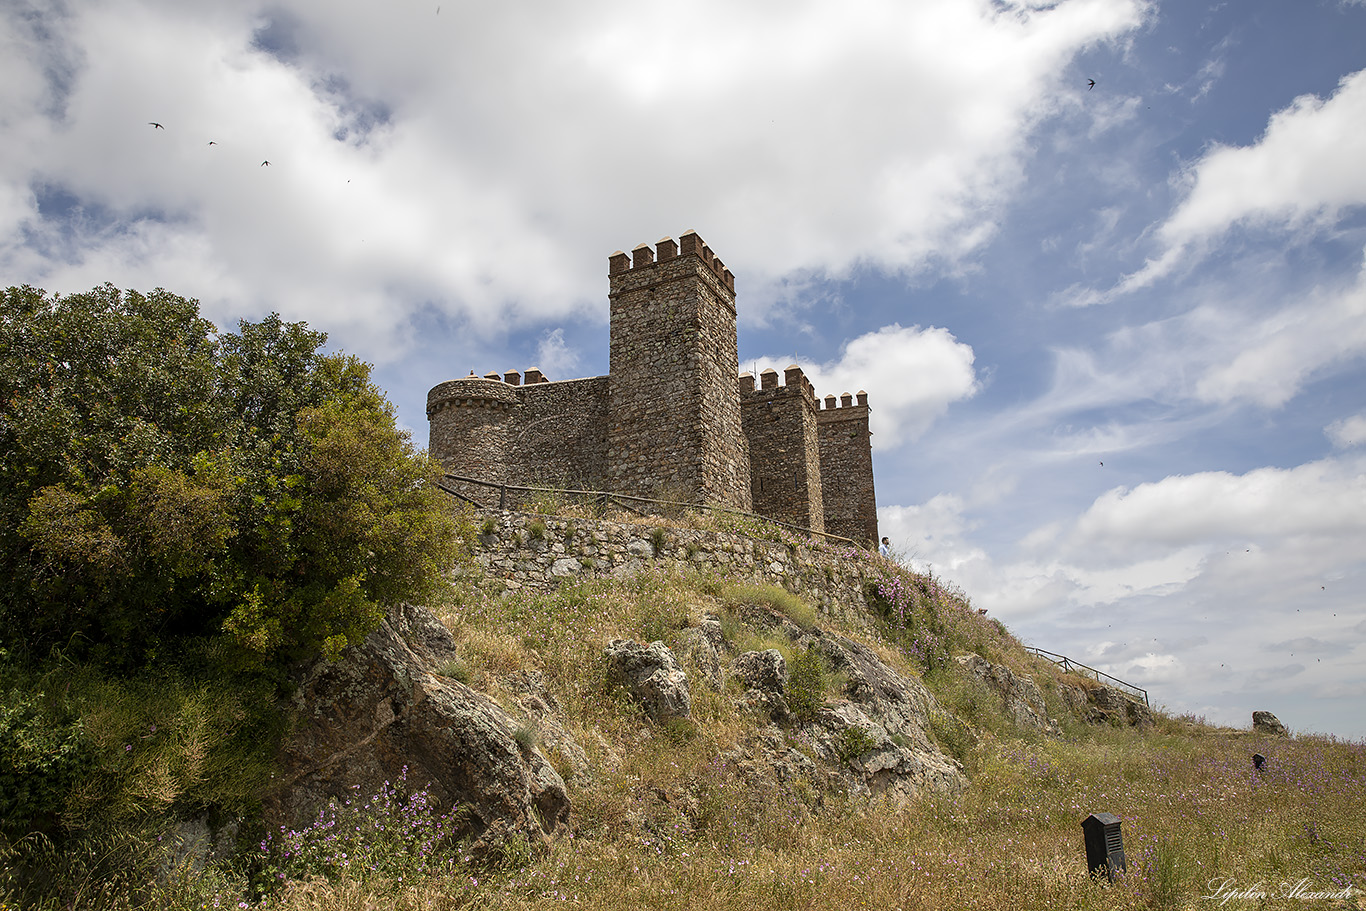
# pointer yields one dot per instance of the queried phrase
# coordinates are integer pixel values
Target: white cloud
(484, 164)
(1348, 432)
(911, 376)
(555, 358)
(1324, 499)
(1302, 172)
(1282, 351)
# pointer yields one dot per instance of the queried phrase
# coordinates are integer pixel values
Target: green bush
(159, 479)
(43, 756)
(853, 743)
(806, 684)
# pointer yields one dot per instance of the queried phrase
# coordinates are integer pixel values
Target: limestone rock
(1099, 704)
(1267, 723)
(699, 643)
(652, 675)
(379, 709)
(1021, 696)
(878, 732)
(765, 677)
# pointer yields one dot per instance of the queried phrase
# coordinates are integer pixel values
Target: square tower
(674, 427)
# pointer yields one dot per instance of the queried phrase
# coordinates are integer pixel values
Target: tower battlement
(674, 418)
(666, 250)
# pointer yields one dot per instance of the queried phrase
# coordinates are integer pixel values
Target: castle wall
(560, 434)
(542, 434)
(471, 421)
(675, 429)
(785, 468)
(510, 557)
(673, 419)
(846, 455)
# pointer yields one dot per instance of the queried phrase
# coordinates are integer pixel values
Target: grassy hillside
(675, 815)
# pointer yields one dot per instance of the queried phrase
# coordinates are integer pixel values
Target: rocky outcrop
(1096, 703)
(1020, 695)
(380, 709)
(878, 731)
(653, 677)
(871, 738)
(1267, 723)
(765, 677)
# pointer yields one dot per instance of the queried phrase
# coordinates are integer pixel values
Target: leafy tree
(161, 480)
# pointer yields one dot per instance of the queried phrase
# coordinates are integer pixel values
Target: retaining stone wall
(830, 577)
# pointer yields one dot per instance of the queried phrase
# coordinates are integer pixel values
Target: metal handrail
(620, 499)
(1070, 666)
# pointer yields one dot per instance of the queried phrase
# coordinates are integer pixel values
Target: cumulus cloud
(1301, 173)
(482, 165)
(912, 376)
(1348, 432)
(554, 357)
(1325, 498)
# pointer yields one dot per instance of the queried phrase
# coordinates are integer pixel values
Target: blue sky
(1113, 337)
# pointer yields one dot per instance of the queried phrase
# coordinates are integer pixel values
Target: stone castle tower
(673, 419)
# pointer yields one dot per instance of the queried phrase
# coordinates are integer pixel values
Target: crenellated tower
(846, 454)
(674, 424)
(785, 463)
(673, 419)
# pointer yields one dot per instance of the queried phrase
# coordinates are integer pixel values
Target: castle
(674, 418)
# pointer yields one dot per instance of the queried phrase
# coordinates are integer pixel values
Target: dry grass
(1194, 813)
(668, 821)
(675, 817)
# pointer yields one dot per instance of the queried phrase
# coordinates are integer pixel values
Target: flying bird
(265, 164)
(1090, 84)
(212, 143)
(153, 123)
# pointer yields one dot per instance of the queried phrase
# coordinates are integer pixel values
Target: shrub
(806, 684)
(166, 480)
(526, 738)
(852, 743)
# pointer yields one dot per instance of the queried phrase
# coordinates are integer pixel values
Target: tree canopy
(160, 479)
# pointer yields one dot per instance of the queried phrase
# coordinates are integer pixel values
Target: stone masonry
(674, 419)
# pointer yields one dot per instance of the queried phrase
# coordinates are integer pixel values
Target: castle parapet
(471, 392)
(853, 402)
(794, 382)
(666, 250)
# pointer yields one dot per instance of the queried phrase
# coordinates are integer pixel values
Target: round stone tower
(471, 422)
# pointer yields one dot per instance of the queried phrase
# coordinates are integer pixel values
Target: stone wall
(561, 435)
(785, 466)
(525, 551)
(847, 468)
(670, 420)
(675, 411)
(540, 434)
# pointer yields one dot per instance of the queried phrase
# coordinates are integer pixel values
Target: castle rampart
(847, 467)
(673, 418)
(780, 424)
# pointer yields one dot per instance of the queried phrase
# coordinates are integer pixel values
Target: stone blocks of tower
(674, 427)
(785, 467)
(846, 455)
(673, 419)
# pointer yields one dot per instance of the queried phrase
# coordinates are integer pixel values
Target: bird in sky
(265, 164)
(212, 143)
(153, 123)
(1090, 84)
